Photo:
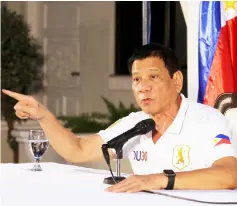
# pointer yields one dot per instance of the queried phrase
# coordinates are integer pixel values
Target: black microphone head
(145, 126)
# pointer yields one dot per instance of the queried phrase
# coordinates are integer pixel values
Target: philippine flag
(221, 139)
(217, 50)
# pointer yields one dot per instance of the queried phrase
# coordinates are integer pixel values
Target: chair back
(226, 103)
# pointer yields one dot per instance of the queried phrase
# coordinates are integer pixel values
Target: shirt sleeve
(221, 139)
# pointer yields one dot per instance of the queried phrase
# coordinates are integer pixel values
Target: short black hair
(156, 50)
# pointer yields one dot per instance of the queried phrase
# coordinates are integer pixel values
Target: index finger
(14, 95)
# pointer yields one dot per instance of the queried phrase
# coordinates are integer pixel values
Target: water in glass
(38, 144)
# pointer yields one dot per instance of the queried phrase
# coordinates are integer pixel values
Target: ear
(178, 80)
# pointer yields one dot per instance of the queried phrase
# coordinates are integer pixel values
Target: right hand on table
(27, 106)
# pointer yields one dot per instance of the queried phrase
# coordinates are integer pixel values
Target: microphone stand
(119, 153)
(117, 143)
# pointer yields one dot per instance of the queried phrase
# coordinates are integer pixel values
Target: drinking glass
(38, 144)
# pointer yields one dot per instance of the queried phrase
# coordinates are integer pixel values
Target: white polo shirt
(198, 136)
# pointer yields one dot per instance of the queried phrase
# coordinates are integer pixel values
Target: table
(65, 185)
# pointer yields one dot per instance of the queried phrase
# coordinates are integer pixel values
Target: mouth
(146, 101)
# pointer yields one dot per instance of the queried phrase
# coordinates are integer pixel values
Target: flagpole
(144, 22)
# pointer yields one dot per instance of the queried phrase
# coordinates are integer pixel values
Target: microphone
(117, 143)
(142, 127)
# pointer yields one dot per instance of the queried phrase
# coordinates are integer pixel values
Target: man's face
(153, 88)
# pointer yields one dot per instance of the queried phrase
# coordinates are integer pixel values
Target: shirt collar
(177, 124)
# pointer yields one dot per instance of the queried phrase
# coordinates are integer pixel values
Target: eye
(154, 76)
(136, 79)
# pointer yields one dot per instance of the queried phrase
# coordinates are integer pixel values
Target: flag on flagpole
(217, 50)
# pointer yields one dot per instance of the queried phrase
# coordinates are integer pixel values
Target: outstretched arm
(66, 144)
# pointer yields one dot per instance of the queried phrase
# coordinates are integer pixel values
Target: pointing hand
(27, 106)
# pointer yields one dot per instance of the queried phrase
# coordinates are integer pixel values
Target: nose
(145, 86)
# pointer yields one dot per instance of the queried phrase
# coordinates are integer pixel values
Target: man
(192, 141)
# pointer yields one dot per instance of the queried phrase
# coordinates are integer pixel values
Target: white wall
(191, 14)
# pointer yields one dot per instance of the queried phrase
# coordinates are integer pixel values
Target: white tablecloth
(60, 184)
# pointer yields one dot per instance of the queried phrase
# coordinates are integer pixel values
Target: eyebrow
(151, 69)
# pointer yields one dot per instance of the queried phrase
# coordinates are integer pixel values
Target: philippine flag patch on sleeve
(221, 139)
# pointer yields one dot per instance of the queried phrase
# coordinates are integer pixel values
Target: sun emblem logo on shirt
(181, 158)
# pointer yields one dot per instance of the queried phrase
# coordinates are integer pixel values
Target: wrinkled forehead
(148, 64)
